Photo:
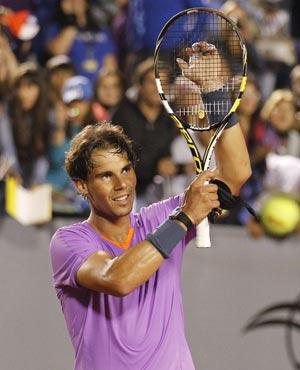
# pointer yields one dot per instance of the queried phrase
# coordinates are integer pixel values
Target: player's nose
(119, 182)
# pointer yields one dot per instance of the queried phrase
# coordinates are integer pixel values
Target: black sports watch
(179, 215)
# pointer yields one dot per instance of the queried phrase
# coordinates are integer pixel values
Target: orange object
(22, 24)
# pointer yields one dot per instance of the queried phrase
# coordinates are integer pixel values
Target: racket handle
(202, 234)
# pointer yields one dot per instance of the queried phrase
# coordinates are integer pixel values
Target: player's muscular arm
(120, 275)
(232, 157)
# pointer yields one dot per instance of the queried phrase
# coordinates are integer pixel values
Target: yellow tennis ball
(280, 215)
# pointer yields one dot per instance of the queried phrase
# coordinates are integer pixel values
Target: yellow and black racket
(200, 65)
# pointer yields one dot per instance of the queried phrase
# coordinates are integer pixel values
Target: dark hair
(142, 70)
(102, 135)
(30, 128)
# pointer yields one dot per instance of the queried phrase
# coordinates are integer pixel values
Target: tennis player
(117, 274)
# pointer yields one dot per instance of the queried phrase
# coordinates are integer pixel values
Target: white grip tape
(202, 234)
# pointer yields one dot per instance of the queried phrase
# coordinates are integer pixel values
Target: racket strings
(189, 93)
(220, 107)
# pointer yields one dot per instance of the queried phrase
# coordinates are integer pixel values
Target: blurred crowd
(68, 63)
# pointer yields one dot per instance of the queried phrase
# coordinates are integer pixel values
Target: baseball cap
(77, 88)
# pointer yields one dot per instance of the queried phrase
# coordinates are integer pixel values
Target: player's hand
(201, 197)
(202, 56)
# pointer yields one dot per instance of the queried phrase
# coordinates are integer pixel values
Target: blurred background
(65, 64)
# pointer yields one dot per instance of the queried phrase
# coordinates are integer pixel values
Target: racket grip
(202, 234)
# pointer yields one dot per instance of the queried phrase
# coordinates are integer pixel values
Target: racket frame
(201, 164)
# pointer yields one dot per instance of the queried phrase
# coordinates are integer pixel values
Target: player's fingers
(213, 196)
(210, 49)
(183, 65)
(212, 188)
(206, 176)
(199, 46)
(203, 47)
(215, 204)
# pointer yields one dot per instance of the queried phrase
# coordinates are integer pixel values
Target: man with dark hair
(117, 274)
(104, 136)
(146, 122)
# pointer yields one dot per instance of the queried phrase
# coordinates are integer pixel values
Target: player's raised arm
(100, 162)
(231, 151)
(207, 65)
(121, 275)
(232, 158)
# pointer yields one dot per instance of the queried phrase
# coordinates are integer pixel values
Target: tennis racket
(200, 63)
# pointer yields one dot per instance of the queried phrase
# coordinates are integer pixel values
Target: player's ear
(81, 187)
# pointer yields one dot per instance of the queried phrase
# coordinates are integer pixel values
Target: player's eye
(127, 169)
(105, 176)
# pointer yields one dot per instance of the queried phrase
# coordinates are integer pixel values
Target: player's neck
(116, 230)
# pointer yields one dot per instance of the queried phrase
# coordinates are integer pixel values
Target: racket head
(207, 95)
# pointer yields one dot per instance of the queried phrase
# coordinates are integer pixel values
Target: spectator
(144, 22)
(59, 68)
(250, 106)
(272, 132)
(28, 114)
(21, 27)
(109, 91)
(295, 20)
(77, 95)
(295, 86)
(118, 27)
(149, 126)
(275, 45)
(8, 68)
(76, 34)
(273, 135)
(178, 180)
(245, 18)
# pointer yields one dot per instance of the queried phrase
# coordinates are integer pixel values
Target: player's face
(111, 185)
